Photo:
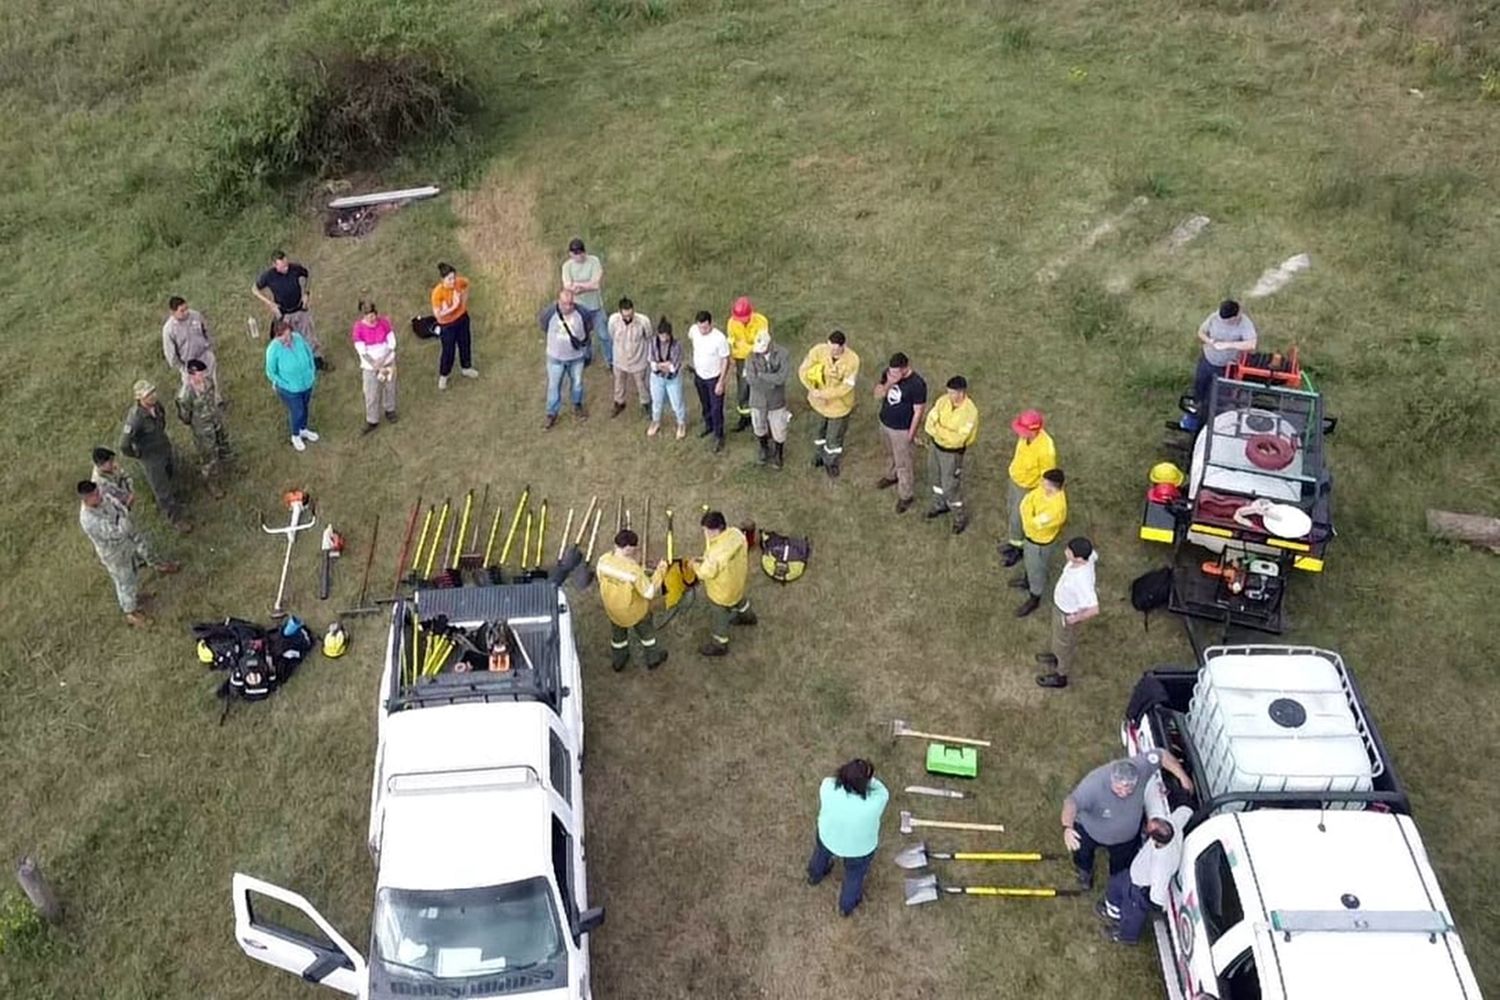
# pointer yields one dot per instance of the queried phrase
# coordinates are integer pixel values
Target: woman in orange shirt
(450, 307)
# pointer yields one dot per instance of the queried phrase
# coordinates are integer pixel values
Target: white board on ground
(1049, 273)
(381, 197)
(1274, 279)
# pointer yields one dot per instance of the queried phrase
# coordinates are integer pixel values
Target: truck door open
(281, 929)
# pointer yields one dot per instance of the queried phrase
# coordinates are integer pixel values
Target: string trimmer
(296, 501)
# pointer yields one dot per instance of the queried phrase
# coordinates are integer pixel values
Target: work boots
(960, 522)
(746, 617)
(1009, 555)
(778, 454)
(831, 466)
(655, 658)
(764, 456)
(744, 422)
(711, 648)
(1031, 603)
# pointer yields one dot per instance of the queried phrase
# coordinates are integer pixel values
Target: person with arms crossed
(829, 372)
(583, 275)
(1044, 512)
(952, 425)
(450, 307)
(283, 287)
(375, 342)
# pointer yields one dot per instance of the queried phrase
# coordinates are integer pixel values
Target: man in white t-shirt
(1074, 600)
(1135, 893)
(1224, 334)
(710, 364)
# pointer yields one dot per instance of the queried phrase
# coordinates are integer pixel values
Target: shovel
(910, 823)
(927, 889)
(900, 728)
(917, 856)
(497, 571)
(585, 575)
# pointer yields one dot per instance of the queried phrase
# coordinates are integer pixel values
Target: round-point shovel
(927, 889)
(918, 856)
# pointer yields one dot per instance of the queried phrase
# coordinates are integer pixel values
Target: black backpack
(784, 557)
(1149, 591)
(424, 327)
(257, 660)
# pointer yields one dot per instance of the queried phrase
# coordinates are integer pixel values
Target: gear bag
(257, 660)
(784, 557)
(1150, 591)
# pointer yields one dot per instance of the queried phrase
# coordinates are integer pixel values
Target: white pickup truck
(480, 733)
(1302, 872)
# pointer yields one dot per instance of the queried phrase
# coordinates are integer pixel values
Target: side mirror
(1329, 425)
(590, 920)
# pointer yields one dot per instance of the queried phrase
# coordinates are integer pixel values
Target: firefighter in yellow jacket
(627, 593)
(952, 425)
(1044, 513)
(1035, 454)
(723, 567)
(745, 324)
(829, 372)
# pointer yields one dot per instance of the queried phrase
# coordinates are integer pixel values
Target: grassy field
(904, 170)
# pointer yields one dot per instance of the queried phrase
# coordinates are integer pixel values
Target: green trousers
(645, 633)
(1013, 496)
(724, 616)
(1037, 558)
(1064, 642)
(828, 439)
(160, 468)
(945, 469)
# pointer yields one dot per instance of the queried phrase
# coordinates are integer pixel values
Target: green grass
(902, 170)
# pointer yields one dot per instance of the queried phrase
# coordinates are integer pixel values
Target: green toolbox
(955, 761)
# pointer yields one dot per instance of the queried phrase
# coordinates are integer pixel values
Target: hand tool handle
(593, 536)
(562, 546)
(515, 521)
(436, 538)
(411, 529)
(646, 536)
(944, 824)
(416, 561)
(967, 741)
(1001, 890)
(584, 524)
(526, 541)
(364, 580)
(325, 578)
(541, 535)
(463, 532)
(941, 793)
(489, 547)
(999, 856)
(671, 542)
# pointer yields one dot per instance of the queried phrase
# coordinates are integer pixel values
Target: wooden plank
(1473, 529)
(381, 197)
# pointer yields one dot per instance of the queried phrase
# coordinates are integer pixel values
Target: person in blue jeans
(850, 806)
(664, 361)
(292, 370)
(567, 331)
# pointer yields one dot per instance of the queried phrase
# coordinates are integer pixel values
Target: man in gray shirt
(1224, 334)
(1107, 807)
(184, 338)
(567, 331)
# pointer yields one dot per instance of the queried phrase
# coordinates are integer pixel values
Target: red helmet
(1164, 493)
(742, 308)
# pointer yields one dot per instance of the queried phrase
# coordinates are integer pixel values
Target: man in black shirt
(903, 399)
(283, 288)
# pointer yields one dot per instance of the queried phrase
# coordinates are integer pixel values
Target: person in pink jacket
(375, 343)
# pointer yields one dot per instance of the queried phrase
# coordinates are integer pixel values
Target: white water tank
(1273, 720)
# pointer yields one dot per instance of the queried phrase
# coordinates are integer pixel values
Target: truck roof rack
(1428, 922)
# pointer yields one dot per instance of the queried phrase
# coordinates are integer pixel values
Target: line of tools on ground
(957, 757)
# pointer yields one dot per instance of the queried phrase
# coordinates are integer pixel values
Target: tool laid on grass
(332, 547)
(900, 728)
(296, 501)
(910, 823)
(365, 607)
(497, 571)
(918, 855)
(585, 574)
(437, 537)
(955, 762)
(927, 889)
(937, 793)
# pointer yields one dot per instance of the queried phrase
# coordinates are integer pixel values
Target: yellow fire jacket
(1032, 458)
(626, 589)
(1043, 516)
(952, 427)
(832, 377)
(742, 335)
(724, 566)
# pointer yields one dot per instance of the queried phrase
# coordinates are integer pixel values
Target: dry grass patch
(503, 238)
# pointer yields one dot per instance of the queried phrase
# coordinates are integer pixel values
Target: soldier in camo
(197, 406)
(122, 549)
(145, 439)
(112, 479)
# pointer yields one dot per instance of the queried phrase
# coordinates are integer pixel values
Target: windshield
(459, 933)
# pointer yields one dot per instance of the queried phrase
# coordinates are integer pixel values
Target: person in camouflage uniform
(122, 549)
(145, 439)
(198, 407)
(112, 479)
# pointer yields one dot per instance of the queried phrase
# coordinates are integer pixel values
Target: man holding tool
(723, 568)
(627, 593)
(1106, 808)
(829, 372)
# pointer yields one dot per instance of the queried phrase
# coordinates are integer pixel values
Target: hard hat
(1166, 472)
(1029, 422)
(335, 641)
(1164, 493)
(205, 653)
(742, 309)
(142, 388)
(815, 375)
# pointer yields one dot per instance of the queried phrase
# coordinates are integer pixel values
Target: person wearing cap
(567, 332)
(374, 341)
(627, 592)
(1105, 810)
(664, 358)
(850, 805)
(1035, 454)
(952, 425)
(283, 287)
(144, 438)
(583, 275)
(723, 568)
(1074, 600)
(903, 399)
(184, 338)
(829, 373)
(197, 408)
(450, 307)
(630, 336)
(765, 372)
(1223, 334)
(292, 372)
(120, 546)
(745, 325)
(113, 480)
(710, 363)
(1044, 512)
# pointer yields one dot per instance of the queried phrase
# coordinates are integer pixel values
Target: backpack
(424, 327)
(1151, 590)
(256, 660)
(783, 557)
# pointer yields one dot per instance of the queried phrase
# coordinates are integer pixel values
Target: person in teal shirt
(292, 370)
(849, 810)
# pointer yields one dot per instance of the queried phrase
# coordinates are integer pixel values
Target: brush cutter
(918, 856)
(910, 823)
(411, 529)
(365, 607)
(333, 547)
(296, 501)
(497, 571)
(900, 728)
(927, 889)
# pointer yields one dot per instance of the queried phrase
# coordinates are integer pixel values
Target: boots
(960, 522)
(744, 422)
(1009, 555)
(778, 454)
(655, 658)
(764, 455)
(1031, 604)
(746, 617)
(711, 648)
(831, 466)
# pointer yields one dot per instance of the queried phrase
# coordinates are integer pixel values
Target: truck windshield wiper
(409, 968)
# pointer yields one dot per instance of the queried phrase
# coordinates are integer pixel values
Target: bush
(303, 115)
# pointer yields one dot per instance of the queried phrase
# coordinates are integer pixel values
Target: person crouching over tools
(121, 547)
(627, 593)
(722, 568)
(849, 808)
